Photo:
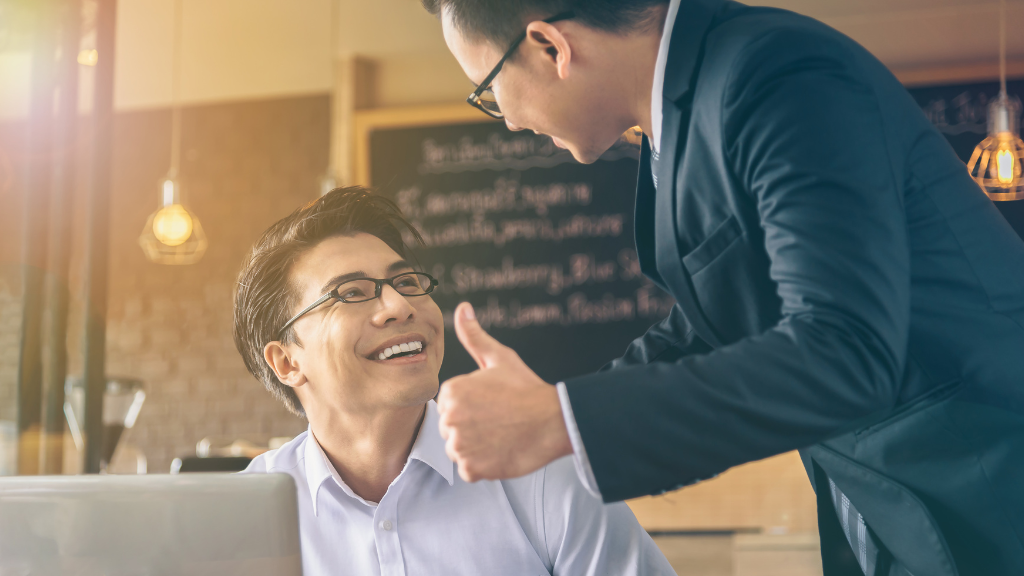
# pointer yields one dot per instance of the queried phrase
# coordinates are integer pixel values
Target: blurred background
(145, 145)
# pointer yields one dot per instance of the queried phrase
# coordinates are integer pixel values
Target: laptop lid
(193, 524)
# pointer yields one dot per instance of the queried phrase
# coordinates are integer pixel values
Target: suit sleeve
(804, 137)
(667, 341)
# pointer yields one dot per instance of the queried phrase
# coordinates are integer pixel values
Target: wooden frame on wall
(957, 74)
(366, 121)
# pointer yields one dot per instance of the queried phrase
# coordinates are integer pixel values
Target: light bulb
(172, 225)
(88, 57)
(1006, 163)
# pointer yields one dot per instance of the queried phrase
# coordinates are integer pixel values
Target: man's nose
(392, 306)
(512, 126)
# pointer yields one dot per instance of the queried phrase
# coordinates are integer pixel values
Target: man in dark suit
(844, 288)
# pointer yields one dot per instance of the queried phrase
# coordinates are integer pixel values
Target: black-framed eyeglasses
(483, 98)
(359, 290)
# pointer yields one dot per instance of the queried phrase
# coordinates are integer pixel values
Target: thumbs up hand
(501, 421)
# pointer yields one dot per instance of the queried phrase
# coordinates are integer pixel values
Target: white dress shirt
(581, 462)
(659, 75)
(432, 522)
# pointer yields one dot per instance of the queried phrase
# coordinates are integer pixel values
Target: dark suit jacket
(843, 287)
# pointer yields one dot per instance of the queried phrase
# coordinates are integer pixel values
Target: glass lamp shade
(996, 162)
(173, 235)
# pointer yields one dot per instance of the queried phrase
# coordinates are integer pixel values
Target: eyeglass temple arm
(318, 302)
(475, 96)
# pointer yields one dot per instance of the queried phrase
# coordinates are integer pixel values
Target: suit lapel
(688, 33)
(670, 263)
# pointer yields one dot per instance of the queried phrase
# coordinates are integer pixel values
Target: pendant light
(172, 234)
(996, 162)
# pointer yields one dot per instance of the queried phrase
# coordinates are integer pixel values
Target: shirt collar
(428, 448)
(318, 467)
(681, 40)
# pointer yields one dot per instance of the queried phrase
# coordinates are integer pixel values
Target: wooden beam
(354, 89)
(957, 74)
(55, 356)
(34, 234)
(97, 244)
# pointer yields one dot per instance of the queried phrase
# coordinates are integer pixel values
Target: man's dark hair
(501, 21)
(265, 295)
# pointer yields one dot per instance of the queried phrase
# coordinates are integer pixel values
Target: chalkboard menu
(960, 112)
(541, 245)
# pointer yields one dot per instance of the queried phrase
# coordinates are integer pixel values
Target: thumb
(480, 345)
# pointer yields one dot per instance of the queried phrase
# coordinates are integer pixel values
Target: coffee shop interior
(146, 144)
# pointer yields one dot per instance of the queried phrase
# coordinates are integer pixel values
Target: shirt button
(387, 525)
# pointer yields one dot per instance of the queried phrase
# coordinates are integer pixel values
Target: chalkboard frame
(366, 121)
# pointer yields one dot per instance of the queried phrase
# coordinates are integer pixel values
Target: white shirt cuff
(579, 453)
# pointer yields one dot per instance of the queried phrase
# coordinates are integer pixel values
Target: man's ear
(549, 40)
(285, 366)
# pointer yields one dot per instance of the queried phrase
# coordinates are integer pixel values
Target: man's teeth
(400, 348)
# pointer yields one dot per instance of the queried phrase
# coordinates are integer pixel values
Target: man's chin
(421, 392)
(583, 156)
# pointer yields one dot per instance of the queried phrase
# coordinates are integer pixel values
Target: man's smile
(405, 349)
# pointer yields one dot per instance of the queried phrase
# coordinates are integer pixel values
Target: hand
(501, 421)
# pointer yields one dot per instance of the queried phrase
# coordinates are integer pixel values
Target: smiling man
(334, 319)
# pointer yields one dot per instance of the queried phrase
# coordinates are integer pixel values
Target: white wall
(231, 49)
(243, 49)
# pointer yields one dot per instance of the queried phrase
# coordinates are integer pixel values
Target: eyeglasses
(483, 98)
(365, 289)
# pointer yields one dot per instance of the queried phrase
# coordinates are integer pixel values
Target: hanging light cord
(175, 104)
(1002, 48)
(332, 169)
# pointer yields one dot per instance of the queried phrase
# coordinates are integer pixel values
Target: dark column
(55, 356)
(37, 192)
(97, 244)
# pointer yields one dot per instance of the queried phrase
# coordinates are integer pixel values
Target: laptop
(159, 525)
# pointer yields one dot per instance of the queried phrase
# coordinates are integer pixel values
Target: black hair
(265, 295)
(501, 21)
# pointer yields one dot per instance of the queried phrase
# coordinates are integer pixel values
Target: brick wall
(11, 205)
(245, 165)
(10, 325)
